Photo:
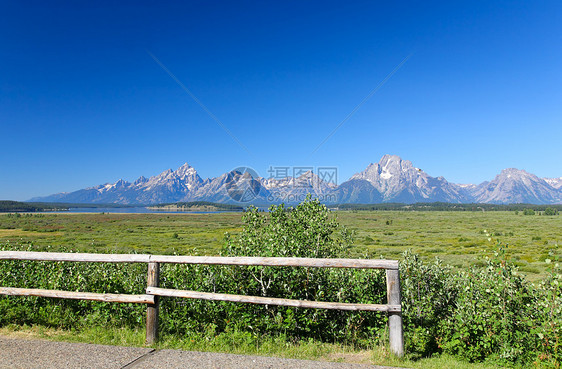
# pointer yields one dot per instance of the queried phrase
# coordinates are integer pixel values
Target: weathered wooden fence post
(152, 309)
(394, 318)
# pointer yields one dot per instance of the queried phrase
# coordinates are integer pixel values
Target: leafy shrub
(548, 325)
(427, 297)
(70, 276)
(492, 314)
(550, 211)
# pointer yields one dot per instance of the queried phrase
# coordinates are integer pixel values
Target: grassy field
(459, 238)
(140, 233)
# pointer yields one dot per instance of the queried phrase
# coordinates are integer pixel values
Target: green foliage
(308, 230)
(548, 325)
(305, 231)
(17, 206)
(88, 277)
(120, 233)
(487, 313)
(551, 211)
(492, 314)
(427, 297)
(528, 212)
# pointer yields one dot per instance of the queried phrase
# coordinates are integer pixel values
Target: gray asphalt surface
(17, 353)
(24, 354)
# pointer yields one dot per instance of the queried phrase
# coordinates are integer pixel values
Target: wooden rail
(270, 300)
(107, 297)
(153, 291)
(209, 260)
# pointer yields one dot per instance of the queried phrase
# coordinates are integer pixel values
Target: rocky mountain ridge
(392, 179)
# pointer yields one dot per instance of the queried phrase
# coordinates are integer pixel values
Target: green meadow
(459, 238)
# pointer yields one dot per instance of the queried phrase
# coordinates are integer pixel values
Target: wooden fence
(153, 292)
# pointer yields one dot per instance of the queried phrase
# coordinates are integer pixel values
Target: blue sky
(82, 102)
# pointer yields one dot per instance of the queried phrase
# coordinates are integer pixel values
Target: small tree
(308, 230)
(551, 211)
(529, 212)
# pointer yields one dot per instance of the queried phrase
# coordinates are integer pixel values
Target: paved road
(25, 354)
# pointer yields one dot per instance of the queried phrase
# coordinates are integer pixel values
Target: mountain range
(392, 179)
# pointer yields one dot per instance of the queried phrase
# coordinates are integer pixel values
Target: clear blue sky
(82, 102)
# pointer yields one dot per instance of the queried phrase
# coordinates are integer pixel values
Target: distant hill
(196, 206)
(8, 206)
(445, 206)
(391, 180)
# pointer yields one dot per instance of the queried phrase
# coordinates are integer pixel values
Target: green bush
(69, 276)
(548, 325)
(427, 298)
(528, 212)
(492, 315)
(550, 211)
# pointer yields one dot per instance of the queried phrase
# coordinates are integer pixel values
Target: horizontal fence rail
(71, 256)
(208, 260)
(106, 297)
(270, 300)
(154, 292)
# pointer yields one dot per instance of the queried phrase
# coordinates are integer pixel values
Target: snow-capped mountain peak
(554, 182)
(516, 186)
(140, 181)
(392, 179)
(185, 170)
(398, 180)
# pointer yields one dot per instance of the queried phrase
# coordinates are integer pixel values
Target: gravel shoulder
(37, 353)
